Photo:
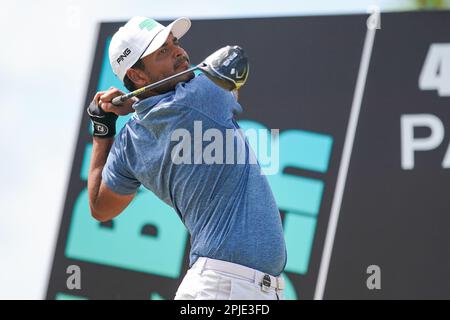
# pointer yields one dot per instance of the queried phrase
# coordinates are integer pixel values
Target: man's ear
(138, 77)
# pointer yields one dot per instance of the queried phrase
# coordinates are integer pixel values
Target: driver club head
(228, 67)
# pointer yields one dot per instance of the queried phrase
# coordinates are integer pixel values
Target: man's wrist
(104, 123)
(103, 143)
(104, 128)
(100, 151)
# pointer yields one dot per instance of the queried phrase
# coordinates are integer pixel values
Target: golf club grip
(117, 101)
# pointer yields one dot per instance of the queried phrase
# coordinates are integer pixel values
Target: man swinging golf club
(237, 244)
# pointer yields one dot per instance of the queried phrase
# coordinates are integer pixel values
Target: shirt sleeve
(116, 174)
(211, 100)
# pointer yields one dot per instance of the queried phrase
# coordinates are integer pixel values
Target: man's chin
(184, 78)
(189, 76)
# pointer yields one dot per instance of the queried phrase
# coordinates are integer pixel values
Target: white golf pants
(210, 279)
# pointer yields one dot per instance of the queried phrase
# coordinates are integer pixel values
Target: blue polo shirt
(218, 192)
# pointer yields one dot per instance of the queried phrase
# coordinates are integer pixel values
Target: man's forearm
(100, 151)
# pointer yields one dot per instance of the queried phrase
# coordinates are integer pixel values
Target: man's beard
(170, 86)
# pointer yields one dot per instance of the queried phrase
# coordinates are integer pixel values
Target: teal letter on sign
(300, 197)
(123, 244)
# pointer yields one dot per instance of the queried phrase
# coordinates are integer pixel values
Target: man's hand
(104, 114)
(104, 98)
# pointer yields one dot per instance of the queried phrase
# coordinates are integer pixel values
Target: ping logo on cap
(148, 23)
(124, 54)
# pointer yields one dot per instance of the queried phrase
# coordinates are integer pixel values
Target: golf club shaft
(117, 101)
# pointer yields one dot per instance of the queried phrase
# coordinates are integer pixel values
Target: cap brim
(178, 28)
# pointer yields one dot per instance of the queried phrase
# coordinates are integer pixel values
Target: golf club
(227, 67)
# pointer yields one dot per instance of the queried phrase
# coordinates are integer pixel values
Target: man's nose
(178, 51)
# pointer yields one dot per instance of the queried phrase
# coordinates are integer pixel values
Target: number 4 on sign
(435, 73)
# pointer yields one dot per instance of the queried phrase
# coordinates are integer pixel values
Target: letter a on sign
(74, 280)
(374, 281)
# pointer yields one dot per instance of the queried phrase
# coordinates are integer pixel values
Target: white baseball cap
(139, 37)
